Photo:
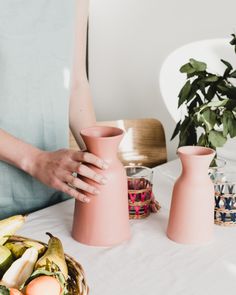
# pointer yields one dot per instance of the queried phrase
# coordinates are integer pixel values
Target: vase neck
(105, 149)
(195, 166)
(102, 141)
(195, 160)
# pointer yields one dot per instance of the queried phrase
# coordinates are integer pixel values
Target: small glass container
(225, 199)
(217, 171)
(140, 195)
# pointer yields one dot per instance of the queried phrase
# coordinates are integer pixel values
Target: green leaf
(198, 98)
(202, 140)
(192, 105)
(209, 119)
(228, 69)
(232, 127)
(211, 78)
(188, 135)
(183, 131)
(194, 89)
(229, 124)
(4, 290)
(233, 41)
(184, 92)
(222, 89)
(192, 135)
(190, 75)
(202, 86)
(192, 94)
(218, 103)
(231, 92)
(228, 65)
(211, 92)
(187, 68)
(176, 131)
(233, 74)
(203, 106)
(183, 137)
(227, 89)
(216, 138)
(231, 104)
(225, 123)
(198, 65)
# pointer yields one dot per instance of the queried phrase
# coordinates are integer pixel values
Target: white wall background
(129, 40)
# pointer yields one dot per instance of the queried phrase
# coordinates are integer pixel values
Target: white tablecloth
(149, 263)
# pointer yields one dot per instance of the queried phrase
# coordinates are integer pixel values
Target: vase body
(104, 221)
(191, 218)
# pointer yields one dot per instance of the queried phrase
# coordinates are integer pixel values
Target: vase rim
(101, 132)
(196, 151)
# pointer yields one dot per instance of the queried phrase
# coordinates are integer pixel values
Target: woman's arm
(54, 169)
(16, 152)
(81, 108)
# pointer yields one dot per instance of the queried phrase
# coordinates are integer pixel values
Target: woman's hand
(55, 169)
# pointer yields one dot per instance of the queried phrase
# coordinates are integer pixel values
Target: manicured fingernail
(103, 180)
(96, 192)
(86, 200)
(105, 166)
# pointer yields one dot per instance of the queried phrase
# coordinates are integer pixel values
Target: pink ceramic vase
(105, 220)
(191, 217)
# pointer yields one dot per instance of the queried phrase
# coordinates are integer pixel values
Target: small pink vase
(105, 220)
(191, 219)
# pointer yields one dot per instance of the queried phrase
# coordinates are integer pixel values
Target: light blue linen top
(36, 50)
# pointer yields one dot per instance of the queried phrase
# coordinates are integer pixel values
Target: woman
(37, 41)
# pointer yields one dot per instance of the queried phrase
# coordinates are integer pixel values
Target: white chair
(171, 80)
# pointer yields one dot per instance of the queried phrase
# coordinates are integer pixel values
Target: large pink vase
(191, 219)
(105, 220)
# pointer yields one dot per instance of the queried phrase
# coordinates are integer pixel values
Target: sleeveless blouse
(36, 50)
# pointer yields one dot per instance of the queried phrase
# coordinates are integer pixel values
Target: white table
(149, 263)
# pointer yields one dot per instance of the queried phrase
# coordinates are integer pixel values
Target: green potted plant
(209, 103)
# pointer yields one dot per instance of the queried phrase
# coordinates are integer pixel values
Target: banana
(6, 260)
(20, 270)
(54, 255)
(9, 226)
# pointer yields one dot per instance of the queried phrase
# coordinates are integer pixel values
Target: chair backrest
(208, 51)
(143, 143)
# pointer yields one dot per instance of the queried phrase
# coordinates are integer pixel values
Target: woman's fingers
(73, 192)
(85, 171)
(89, 158)
(81, 185)
(91, 174)
(78, 163)
(51, 168)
